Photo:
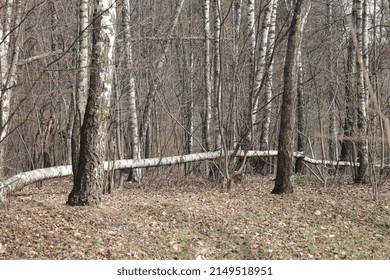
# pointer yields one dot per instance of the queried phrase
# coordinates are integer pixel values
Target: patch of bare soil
(183, 221)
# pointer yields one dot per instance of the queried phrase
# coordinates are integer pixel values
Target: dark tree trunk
(89, 179)
(283, 182)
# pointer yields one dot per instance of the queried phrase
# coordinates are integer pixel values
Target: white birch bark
(207, 111)
(5, 89)
(135, 174)
(9, 52)
(18, 182)
(251, 29)
(189, 96)
(262, 62)
(248, 116)
(89, 179)
(82, 81)
(301, 146)
(190, 106)
(362, 40)
(347, 151)
(268, 91)
(83, 58)
(333, 147)
(237, 14)
(269, 61)
(217, 75)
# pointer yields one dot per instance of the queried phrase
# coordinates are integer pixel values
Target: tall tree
(82, 81)
(362, 66)
(135, 174)
(266, 78)
(207, 112)
(331, 86)
(283, 182)
(268, 90)
(88, 186)
(248, 129)
(236, 16)
(188, 94)
(217, 90)
(301, 137)
(262, 61)
(9, 49)
(347, 152)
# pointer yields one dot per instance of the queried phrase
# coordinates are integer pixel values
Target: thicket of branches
(198, 76)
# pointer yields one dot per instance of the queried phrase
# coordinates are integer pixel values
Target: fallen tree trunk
(19, 181)
(329, 162)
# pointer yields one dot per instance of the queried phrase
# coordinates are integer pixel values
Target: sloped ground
(171, 221)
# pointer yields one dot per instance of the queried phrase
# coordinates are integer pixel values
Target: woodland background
(189, 91)
(244, 90)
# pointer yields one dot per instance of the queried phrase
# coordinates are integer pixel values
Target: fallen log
(329, 162)
(19, 181)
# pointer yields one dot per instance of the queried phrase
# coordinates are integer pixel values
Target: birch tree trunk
(218, 114)
(262, 61)
(283, 182)
(362, 40)
(266, 119)
(82, 82)
(207, 111)
(301, 122)
(89, 180)
(247, 130)
(9, 52)
(332, 142)
(188, 96)
(347, 151)
(301, 118)
(135, 174)
(268, 79)
(189, 136)
(19, 181)
(347, 146)
(236, 20)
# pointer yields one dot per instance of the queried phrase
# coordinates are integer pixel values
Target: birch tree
(18, 182)
(135, 174)
(257, 71)
(248, 110)
(268, 82)
(261, 63)
(348, 146)
(217, 90)
(332, 143)
(82, 81)
(88, 186)
(9, 49)
(301, 138)
(220, 141)
(362, 65)
(207, 113)
(188, 91)
(236, 20)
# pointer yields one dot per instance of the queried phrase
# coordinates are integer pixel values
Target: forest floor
(163, 220)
